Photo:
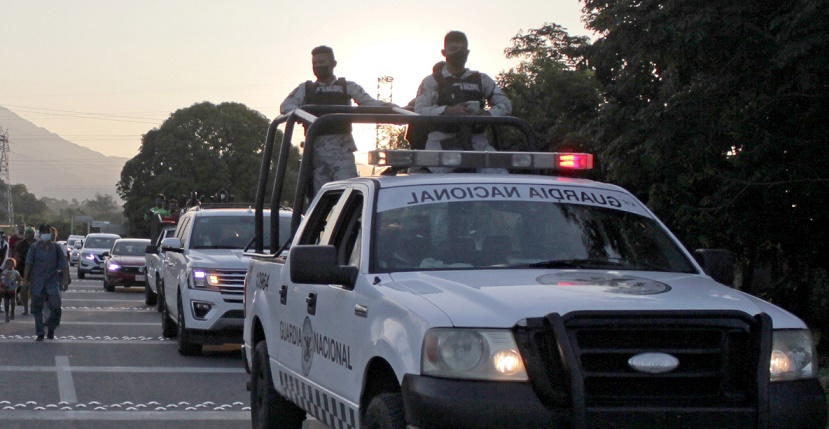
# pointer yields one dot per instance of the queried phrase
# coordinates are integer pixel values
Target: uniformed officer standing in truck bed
(333, 149)
(456, 90)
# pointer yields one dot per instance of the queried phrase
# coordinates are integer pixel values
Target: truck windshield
(232, 232)
(520, 233)
(99, 242)
(130, 248)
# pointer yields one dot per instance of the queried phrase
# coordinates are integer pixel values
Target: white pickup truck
(491, 300)
(153, 259)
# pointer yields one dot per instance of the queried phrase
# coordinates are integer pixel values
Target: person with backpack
(46, 275)
(456, 90)
(333, 149)
(21, 249)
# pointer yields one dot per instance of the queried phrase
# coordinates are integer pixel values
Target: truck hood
(500, 298)
(219, 258)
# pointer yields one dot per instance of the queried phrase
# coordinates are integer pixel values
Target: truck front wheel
(168, 327)
(186, 345)
(268, 408)
(149, 295)
(385, 411)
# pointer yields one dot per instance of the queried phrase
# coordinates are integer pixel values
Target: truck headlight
(483, 354)
(793, 355)
(201, 279)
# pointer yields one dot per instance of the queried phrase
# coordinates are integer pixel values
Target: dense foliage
(204, 148)
(712, 113)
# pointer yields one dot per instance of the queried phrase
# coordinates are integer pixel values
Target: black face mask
(322, 72)
(457, 59)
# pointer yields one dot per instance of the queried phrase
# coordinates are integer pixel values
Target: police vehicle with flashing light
(489, 301)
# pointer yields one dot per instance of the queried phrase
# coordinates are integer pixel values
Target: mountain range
(51, 166)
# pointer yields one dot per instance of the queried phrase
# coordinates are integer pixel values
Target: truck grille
(581, 360)
(231, 284)
(132, 270)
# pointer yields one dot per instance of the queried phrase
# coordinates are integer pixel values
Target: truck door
(327, 315)
(175, 264)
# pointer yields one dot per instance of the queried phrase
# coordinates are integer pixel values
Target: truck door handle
(283, 294)
(312, 303)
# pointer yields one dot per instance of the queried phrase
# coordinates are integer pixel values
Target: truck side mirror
(717, 263)
(171, 243)
(313, 264)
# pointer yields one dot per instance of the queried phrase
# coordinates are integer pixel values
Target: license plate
(139, 277)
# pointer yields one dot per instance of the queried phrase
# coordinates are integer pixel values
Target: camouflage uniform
(333, 157)
(433, 97)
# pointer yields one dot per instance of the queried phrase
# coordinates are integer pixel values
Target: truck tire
(385, 411)
(186, 345)
(268, 409)
(149, 296)
(168, 328)
(81, 275)
(108, 287)
(159, 301)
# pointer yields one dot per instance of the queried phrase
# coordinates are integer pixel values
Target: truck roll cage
(315, 118)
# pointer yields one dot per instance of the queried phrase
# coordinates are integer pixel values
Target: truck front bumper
(443, 403)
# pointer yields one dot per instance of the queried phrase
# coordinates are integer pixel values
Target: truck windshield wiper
(596, 263)
(579, 263)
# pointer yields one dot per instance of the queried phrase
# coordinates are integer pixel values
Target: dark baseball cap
(44, 227)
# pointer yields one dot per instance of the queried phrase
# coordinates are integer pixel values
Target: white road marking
(84, 340)
(126, 415)
(64, 323)
(66, 384)
(124, 369)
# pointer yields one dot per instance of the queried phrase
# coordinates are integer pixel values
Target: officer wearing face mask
(333, 157)
(46, 275)
(456, 90)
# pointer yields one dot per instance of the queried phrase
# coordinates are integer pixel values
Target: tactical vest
(454, 90)
(334, 95)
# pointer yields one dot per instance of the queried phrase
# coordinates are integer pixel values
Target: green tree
(203, 148)
(713, 113)
(27, 207)
(548, 89)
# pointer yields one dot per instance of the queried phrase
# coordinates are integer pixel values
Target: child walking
(9, 281)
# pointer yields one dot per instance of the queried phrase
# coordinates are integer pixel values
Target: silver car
(75, 253)
(90, 260)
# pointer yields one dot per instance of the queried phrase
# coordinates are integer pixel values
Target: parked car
(124, 263)
(91, 261)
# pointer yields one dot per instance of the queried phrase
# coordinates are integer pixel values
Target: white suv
(90, 260)
(201, 291)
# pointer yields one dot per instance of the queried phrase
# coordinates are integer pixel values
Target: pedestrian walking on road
(46, 277)
(9, 282)
(21, 250)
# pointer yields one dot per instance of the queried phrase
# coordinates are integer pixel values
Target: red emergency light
(574, 161)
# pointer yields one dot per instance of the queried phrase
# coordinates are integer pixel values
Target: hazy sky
(101, 73)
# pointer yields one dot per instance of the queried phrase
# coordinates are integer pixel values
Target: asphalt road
(109, 364)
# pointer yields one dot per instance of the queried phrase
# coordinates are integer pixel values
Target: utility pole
(6, 206)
